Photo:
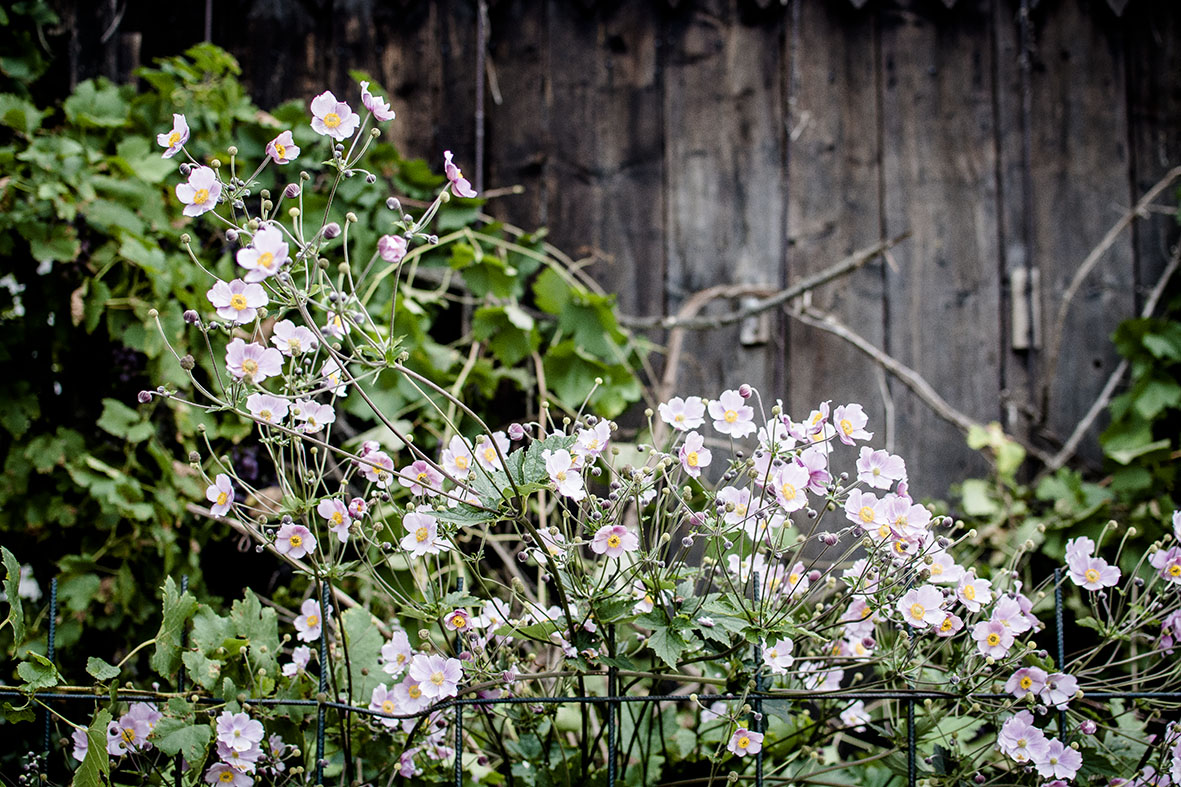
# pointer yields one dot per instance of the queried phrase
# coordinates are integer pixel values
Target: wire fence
(613, 701)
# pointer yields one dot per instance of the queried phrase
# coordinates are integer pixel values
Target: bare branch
(1054, 347)
(909, 377)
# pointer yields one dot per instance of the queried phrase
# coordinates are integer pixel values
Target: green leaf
(1126, 455)
(122, 421)
(101, 670)
(178, 608)
(259, 626)
(16, 613)
(51, 242)
(1155, 396)
(978, 499)
(96, 766)
(96, 103)
(364, 642)
(668, 644)
(551, 292)
(175, 736)
(21, 115)
(37, 673)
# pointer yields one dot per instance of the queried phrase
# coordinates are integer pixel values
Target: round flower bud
(745, 391)
(331, 230)
(186, 170)
(291, 190)
(187, 363)
(516, 432)
(371, 178)
(393, 204)
(232, 236)
(144, 397)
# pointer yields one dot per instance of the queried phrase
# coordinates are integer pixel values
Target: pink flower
(238, 731)
(299, 661)
(1060, 761)
(458, 620)
(879, 469)
(333, 118)
(293, 340)
(974, 591)
(264, 256)
(864, 509)
(375, 104)
(337, 514)
(683, 414)
(1027, 680)
(333, 378)
(563, 474)
(734, 504)
(1020, 740)
(252, 362)
(420, 478)
(694, 455)
(992, 638)
(396, 653)
(791, 483)
(457, 458)
(422, 537)
(950, 626)
(200, 194)
(409, 696)
(81, 744)
(778, 657)
(459, 184)
(391, 248)
(1168, 563)
(378, 468)
(175, 139)
(850, 421)
(309, 621)
(237, 301)
(221, 494)
(944, 570)
(383, 701)
(295, 541)
(589, 443)
(267, 408)
(614, 540)
(744, 742)
(922, 607)
(732, 415)
(1093, 573)
(282, 149)
(223, 774)
(1059, 690)
(486, 450)
(438, 677)
(314, 416)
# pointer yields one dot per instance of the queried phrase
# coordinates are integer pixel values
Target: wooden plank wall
(681, 145)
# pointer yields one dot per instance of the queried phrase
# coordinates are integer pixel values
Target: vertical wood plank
(833, 202)
(939, 168)
(606, 195)
(1152, 44)
(519, 144)
(724, 173)
(1080, 173)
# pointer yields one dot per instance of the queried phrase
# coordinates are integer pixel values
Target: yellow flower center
(731, 416)
(917, 611)
(173, 139)
(1092, 575)
(226, 776)
(313, 621)
(1175, 570)
(789, 491)
(266, 260)
(421, 534)
(561, 476)
(969, 592)
(994, 639)
(414, 692)
(296, 541)
(201, 197)
(489, 453)
(743, 742)
(332, 120)
(613, 541)
(691, 459)
(293, 345)
(266, 415)
(281, 149)
(793, 579)
(238, 301)
(884, 531)
(128, 734)
(461, 462)
(423, 476)
(936, 569)
(337, 518)
(846, 426)
(1026, 682)
(648, 599)
(459, 621)
(222, 497)
(387, 706)
(945, 625)
(866, 514)
(437, 678)
(680, 419)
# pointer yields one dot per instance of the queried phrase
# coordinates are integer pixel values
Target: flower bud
(516, 432)
(745, 391)
(232, 150)
(370, 178)
(291, 190)
(187, 363)
(144, 397)
(393, 204)
(331, 230)
(350, 217)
